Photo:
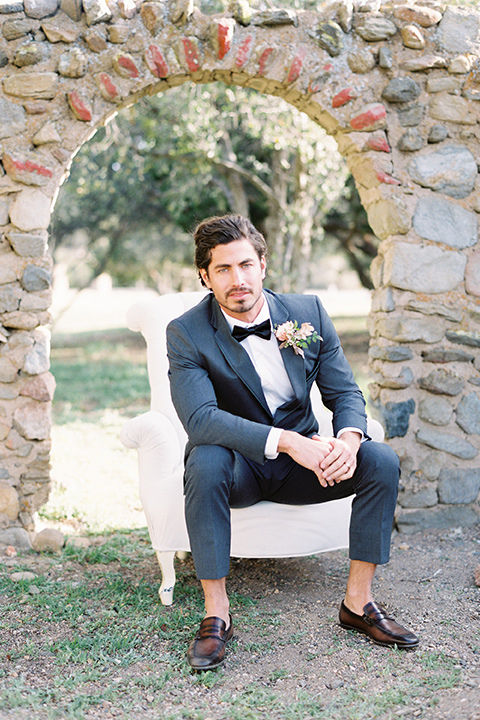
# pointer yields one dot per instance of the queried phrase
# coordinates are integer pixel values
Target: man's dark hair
(222, 230)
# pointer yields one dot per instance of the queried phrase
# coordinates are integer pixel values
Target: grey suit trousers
(217, 479)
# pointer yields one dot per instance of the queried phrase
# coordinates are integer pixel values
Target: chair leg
(165, 591)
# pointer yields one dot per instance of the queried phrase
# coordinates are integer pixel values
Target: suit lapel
(236, 356)
(294, 364)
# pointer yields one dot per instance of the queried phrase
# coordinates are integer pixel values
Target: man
(244, 400)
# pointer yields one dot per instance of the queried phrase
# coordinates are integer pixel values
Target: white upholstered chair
(264, 530)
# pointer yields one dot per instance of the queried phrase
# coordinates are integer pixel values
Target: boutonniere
(290, 335)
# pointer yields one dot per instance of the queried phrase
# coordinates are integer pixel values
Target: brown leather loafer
(207, 650)
(380, 628)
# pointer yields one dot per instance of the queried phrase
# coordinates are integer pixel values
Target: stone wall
(397, 85)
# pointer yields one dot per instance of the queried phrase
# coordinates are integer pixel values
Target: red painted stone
(108, 87)
(296, 66)
(378, 143)
(369, 118)
(24, 170)
(79, 108)
(384, 177)
(264, 60)
(225, 35)
(156, 63)
(344, 96)
(127, 64)
(192, 57)
(244, 51)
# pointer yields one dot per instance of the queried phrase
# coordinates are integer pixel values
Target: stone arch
(397, 85)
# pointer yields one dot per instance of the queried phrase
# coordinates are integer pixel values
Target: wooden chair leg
(165, 591)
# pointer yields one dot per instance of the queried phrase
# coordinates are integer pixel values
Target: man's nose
(237, 276)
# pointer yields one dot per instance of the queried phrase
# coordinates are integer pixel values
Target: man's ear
(263, 265)
(204, 276)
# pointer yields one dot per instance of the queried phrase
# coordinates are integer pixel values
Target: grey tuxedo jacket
(217, 392)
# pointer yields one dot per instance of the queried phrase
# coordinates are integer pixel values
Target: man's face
(235, 276)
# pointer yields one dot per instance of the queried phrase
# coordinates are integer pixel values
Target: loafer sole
(403, 646)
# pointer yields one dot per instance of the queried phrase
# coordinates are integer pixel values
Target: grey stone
(14, 29)
(391, 353)
(464, 337)
(30, 54)
(423, 269)
(10, 298)
(30, 210)
(3, 59)
(376, 28)
(400, 329)
(474, 380)
(385, 59)
(269, 18)
(435, 410)
(472, 274)
(396, 417)
(451, 170)
(361, 61)
(437, 133)
(382, 300)
(37, 360)
(33, 420)
(444, 84)
(398, 382)
(10, 6)
(411, 116)
(444, 222)
(329, 36)
(440, 355)
(410, 521)
(49, 540)
(97, 11)
(73, 8)
(452, 108)
(18, 537)
(442, 382)
(431, 465)
(401, 89)
(8, 370)
(12, 119)
(41, 8)
(451, 444)
(424, 498)
(458, 31)
(457, 486)
(4, 203)
(427, 308)
(36, 278)
(73, 63)
(9, 504)
(411, 141)
(28, 245)
(468, 414)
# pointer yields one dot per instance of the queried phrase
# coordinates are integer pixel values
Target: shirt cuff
(271, 446)
(351, 429)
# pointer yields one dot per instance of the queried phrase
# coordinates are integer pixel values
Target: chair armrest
(153, 433)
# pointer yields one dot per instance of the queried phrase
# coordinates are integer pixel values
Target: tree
(157, 169)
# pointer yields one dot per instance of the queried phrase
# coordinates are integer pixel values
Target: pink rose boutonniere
(290, 335)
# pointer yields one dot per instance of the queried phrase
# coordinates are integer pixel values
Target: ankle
(356, 603)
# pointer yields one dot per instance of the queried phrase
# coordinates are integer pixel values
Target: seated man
(242, 363)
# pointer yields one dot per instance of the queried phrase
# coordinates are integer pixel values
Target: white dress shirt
(267, 360)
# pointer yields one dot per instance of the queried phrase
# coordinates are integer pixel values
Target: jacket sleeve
(340, 393)
(194, 399)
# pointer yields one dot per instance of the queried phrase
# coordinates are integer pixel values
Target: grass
(87, 638)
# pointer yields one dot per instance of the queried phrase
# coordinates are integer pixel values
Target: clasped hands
(331, 459)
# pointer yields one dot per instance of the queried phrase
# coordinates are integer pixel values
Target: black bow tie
(264, 330)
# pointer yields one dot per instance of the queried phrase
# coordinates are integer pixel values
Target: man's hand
(308, 452)
(331, 459)
(341, 462)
